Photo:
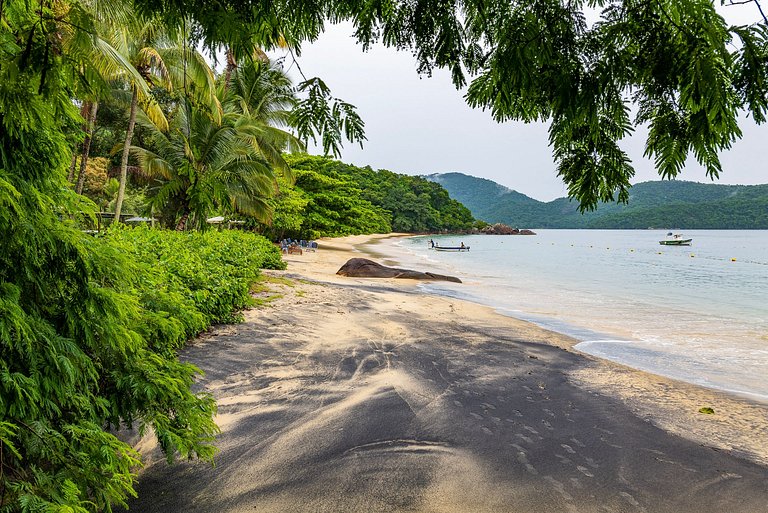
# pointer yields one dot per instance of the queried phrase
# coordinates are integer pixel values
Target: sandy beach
(363, 395)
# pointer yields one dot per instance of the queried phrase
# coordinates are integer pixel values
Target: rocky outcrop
(364, 268)
(503, 229)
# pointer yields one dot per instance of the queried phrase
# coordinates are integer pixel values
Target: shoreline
(368, 395)
(739, 425)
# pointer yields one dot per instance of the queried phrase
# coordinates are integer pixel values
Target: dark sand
(354, 395)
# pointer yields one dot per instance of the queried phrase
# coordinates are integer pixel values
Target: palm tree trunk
(231, 67)
(126, 148)
(71, 174)
(182, 224)
(86, 147)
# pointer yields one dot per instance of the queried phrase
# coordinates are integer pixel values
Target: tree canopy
(683, 69)
(330, 198)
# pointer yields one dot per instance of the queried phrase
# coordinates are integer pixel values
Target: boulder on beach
(503, 229)
(364, 268)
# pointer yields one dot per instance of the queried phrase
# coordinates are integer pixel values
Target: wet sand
(363, 395)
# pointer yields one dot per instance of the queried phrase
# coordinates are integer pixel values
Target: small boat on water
(450, 248)
(675, 239)
(437, 247)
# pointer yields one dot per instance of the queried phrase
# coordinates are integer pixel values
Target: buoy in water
(692, 255)
(733, 259)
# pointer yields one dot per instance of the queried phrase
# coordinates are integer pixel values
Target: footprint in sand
(549, 412)
(524, 438)
(563, 459)
(585, 471)
(547, 425)
(486, 430)
(522, 458)
(488, 406)
(520, 448)
(609, 444)
(568, 448)
(476, 415)
(530, 429)
(458, 403)
(577, 442)
(631, 500)
(592, 463)
(557, 485)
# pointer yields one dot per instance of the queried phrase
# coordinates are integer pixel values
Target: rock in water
(364, 268)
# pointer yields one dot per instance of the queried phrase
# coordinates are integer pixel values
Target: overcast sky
(421, 125)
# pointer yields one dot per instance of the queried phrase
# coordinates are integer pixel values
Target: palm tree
(95, 62)
(138, 44)
(264, 96)
(160, 59)
(89, 109)
(224, 155)
(206, 163)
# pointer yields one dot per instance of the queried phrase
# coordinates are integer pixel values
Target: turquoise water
(697, 313)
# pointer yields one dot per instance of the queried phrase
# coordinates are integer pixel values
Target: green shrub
(190, 280)
(88, 338)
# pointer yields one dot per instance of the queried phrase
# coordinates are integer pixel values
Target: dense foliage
(662, 204)
(90, 325)
(687, 71)
(331, 198)
(100, 352)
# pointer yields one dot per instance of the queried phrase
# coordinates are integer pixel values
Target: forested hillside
(331, 198)
(657, 204)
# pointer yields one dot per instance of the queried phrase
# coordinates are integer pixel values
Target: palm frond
(152, 164)
(112, 64)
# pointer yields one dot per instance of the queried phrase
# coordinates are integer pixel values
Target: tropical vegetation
(90, 325)
(330, 198)
(595, 71)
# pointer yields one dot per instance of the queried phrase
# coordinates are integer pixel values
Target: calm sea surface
(696, 313)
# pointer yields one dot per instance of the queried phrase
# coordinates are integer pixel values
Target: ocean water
(697, 313)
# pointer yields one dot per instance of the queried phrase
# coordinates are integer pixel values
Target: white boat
(675, 239)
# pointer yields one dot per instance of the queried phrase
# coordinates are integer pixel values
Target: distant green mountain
(659, 204)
